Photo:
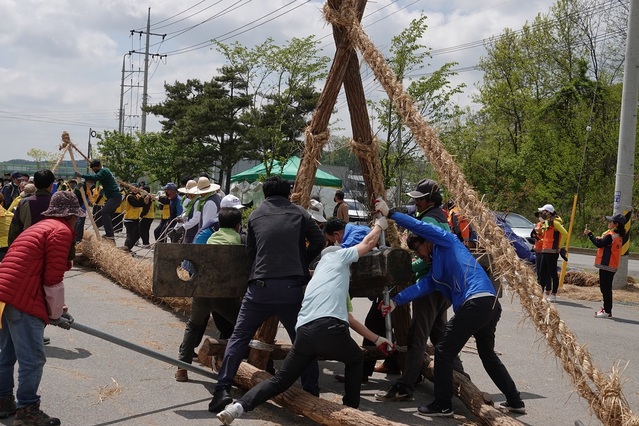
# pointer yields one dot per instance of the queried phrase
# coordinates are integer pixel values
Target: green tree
(431, 92)
(121, 154)
(281, 84)
(42, 158)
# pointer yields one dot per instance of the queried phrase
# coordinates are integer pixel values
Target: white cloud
(60, 61)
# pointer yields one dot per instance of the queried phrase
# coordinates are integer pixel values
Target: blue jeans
(21, 339)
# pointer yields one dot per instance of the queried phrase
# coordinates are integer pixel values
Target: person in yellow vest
(5, 222)
(118, 215)
(553, 236)
(607, 259)
(147, 215)
(133, 205)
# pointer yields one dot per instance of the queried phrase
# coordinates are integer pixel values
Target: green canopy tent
(289, 171)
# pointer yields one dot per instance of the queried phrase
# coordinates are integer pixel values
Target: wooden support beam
(320, 410)
(478, 402)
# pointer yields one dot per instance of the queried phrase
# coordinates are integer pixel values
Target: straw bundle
(135, 274)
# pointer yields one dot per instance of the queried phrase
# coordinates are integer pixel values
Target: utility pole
(121, 115)
(145, 96)
(627, 137)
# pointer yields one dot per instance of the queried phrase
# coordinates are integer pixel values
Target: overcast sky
(61, 61)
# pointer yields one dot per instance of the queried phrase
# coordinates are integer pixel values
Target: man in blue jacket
(457, 275)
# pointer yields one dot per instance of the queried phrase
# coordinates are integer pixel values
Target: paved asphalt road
(88, 381)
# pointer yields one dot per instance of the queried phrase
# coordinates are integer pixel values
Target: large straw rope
(606, 400)
(306, 174)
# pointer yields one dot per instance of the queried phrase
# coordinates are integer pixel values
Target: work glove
(381, 207)
(563, 253)
(64, 321)
(382, 222)
(383, 344)
(387, 309)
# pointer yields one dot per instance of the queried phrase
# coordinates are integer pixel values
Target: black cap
(424, 188)
(617, 218)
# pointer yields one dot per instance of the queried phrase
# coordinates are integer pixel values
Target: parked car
(357, 212)
(520, 225)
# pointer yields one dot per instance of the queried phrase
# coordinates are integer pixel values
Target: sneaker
(602, 314)
(552, 297)
(221, 398)
(181, 375)
(435, 410)
(397, 392)
(514, 407)
(31, 415)
(230, 413)
(7, 406)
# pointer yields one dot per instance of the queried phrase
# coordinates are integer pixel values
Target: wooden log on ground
(215, 347)
(265, 335)
(320, 410)
(479, 403)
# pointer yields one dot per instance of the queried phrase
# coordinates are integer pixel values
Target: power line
(222, 37)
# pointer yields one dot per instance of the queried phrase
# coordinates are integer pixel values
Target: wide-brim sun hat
(63, 204)
(204, 186)
(189, 185)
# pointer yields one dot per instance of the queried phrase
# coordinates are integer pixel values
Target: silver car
(357, 212)
(520, 225)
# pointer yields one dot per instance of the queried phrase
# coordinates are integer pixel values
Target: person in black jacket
(278, 232)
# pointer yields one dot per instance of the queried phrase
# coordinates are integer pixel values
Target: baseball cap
(170, 185)
(548, 207)
(424, 188)
(231, 200)
(617, 218)
(16, 175)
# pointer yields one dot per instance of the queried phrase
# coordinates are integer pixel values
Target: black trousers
(605, 285)
(327, 337)
(476, 317)
(548, 275)
(145, 229)
(132, 232)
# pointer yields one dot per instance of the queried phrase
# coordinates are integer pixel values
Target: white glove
(381, 206)
(382, 223)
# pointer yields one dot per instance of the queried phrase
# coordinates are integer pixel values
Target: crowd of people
(299, 272)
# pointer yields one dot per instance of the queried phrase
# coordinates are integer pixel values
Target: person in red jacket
(31, 296)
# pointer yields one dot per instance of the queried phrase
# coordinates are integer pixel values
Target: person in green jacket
(112, 194)
(230, 220)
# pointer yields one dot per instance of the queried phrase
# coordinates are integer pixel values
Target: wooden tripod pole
(66, 139)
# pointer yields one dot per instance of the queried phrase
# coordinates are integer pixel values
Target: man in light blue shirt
(322, 330)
